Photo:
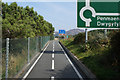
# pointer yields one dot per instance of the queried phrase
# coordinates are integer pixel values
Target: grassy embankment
(96, 57)
(18, 56)
(16, 63)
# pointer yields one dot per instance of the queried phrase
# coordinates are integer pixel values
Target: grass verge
(97, 60)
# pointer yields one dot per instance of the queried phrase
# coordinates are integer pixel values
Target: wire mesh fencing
(0, 58)
(16, 53)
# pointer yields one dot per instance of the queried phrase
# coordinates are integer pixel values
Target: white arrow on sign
(108, 14)
(94, 14)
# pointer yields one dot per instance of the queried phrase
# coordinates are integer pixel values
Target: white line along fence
(16, 53)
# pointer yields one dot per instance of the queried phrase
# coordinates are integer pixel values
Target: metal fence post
(28, 49)
(7, 57)
(36, 44)
(0, 58)
(41, 43)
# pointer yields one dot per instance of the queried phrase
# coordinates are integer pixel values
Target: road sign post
(86, 36)
(62, 33)
(90, 14)
(105, 33)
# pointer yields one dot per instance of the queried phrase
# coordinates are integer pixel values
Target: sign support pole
(86, 36)
(106, 33)
(83, 21)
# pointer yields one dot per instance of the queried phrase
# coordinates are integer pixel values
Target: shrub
(115, 47)
(97, 39)
(79, 38)
(82, 48)
(94, 44)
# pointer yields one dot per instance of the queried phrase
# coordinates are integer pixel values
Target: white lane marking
(53, 46)
(53, 50)
(52, 78)
(34, 64)
(53, 65)
(71, 63)
(53, 43)
(53, 55)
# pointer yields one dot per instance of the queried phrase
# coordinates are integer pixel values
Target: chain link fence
(0, 57)
(16, 53)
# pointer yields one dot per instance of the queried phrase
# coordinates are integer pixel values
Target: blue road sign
(61, 31)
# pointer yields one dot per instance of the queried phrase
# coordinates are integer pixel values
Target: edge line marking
(53, 64)
(28, 72)
(71, 63)
(52, 78)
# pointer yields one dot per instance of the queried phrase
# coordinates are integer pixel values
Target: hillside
(74, 31)
(71, 32)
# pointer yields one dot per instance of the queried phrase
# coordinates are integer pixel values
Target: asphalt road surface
(53, 64)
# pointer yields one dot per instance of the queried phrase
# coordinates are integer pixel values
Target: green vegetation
(100, 54)
(18, 53)
(16, 62)
(80, 38)
(19, 22)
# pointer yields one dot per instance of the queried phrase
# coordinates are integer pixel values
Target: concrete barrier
(85, 72)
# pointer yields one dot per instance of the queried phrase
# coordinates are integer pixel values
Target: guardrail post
(28, 49)
(7, 57)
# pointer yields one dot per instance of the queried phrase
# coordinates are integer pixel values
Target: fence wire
(21, 51)
(0, 57)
